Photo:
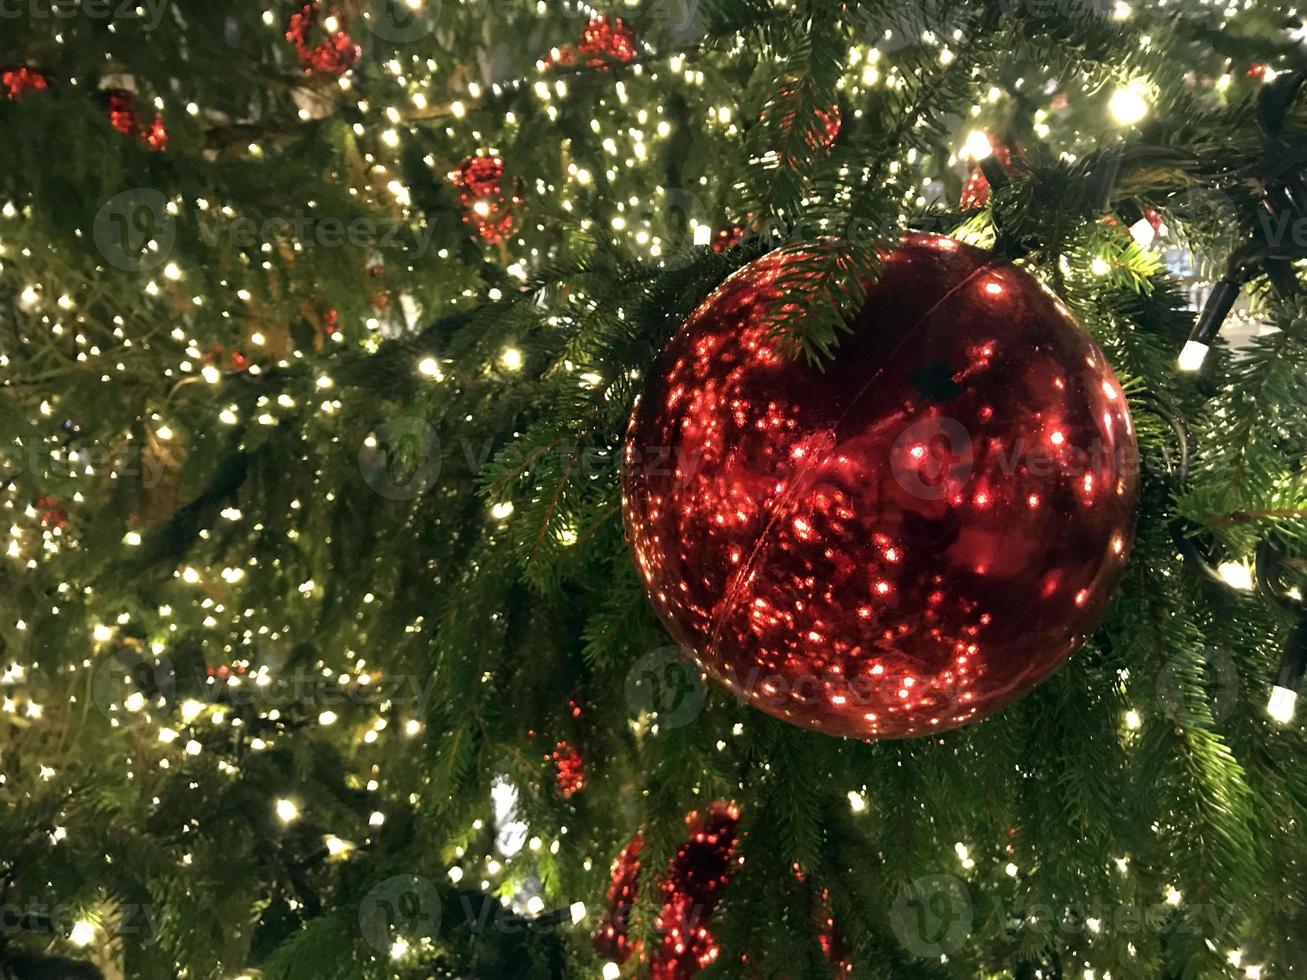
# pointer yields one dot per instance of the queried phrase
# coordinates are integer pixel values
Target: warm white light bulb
(1143, 233)
(1128, 105)
(287, 811)
(977, 146)
(1282, 703)
(83, 933)
(1192, 356)
(1236, 575)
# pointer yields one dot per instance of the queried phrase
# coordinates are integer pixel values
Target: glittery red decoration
(120, 105)
(975, 192)
(16, 81)
(602, 41)
(481, 176)
(907, 540)
(611, 940)
(727, 238)
(832, 941)
(487, 205)
(823, 136)
(335, 54)
(122, 111)
(53, 513)
(691, 889)
(563, 56)
(569, 767)
(828, 933)
(224, 671)
(830, 123)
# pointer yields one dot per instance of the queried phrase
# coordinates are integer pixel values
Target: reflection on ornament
(906, 541)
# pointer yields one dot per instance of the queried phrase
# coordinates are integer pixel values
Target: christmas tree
(378, 601)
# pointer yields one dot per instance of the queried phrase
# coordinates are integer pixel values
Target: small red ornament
(120, 105)
(691, 889)
(828, 123)
(53, 513)
(14, 82)
(569, 768)
(907, 540)
(612, 940)
(828, 933)
(975, 192)
(335, 54)
(481, 176)
(563, 56)
(830, 127)
(488, 207)
(601, 41)
(727, 238)
(832, 941)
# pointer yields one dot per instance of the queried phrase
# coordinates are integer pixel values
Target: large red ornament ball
(907, 540)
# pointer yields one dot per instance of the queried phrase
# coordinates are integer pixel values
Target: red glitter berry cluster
(975, 192)
(569, 767)
(488, 205)
(727, 238)
(602, 41)
(121, 107)
(335, 54)
(691, 889)
(16, 81)
(53, 513)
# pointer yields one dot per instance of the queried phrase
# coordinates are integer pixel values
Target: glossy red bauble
(907, 540)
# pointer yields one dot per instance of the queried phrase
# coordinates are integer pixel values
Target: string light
(1128, 106)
